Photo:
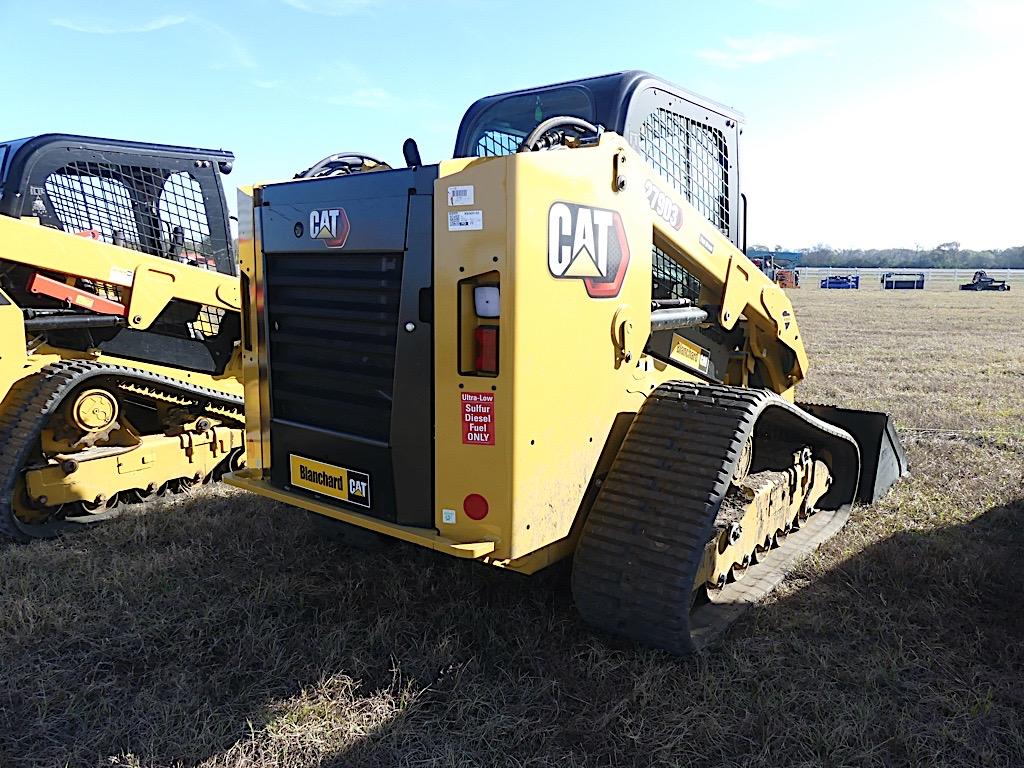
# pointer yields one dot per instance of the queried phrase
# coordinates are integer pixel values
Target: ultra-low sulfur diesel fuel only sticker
(328, 480)
(477, 418)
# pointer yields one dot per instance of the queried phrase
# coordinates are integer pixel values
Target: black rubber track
(644, 538)
(33, 400)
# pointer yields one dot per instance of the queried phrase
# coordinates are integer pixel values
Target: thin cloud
(738, 52)
(781, 5)
(997, 19)
(92, 28)
(363, 98)
(344, 84)
(330, 7)
(237, 53)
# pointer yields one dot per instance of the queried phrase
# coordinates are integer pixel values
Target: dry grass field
(222, 631)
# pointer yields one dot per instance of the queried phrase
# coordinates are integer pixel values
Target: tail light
(487, 349)
(479, 324)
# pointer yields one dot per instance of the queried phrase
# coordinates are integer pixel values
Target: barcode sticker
(460, 195)
(460, 220)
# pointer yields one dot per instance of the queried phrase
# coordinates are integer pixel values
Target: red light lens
(475, 506)
(487, 349)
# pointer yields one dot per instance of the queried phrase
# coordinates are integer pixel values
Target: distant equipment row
(913, 281)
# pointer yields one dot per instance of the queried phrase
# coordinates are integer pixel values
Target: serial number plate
(328, 480)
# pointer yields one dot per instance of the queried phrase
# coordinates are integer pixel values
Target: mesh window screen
(145, 209)
(106, 290)
(669, 280)
(207, 323)
(85, 201)
(494, 143)
(694, 158)
(182, 209)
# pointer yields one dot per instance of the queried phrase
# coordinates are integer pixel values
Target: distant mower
(780, 269)
(982, 282)
(787, 278)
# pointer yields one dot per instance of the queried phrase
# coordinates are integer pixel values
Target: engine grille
(333, 322)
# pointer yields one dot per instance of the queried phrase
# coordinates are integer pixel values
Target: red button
(475, 506)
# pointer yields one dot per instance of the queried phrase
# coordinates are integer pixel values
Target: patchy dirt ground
(223, 631)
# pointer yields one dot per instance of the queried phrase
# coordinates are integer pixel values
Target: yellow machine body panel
(563, 373)
(253, 349)
(12, 342)
(547, 432)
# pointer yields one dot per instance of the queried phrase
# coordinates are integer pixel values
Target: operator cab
(162, 200)
(692, 142)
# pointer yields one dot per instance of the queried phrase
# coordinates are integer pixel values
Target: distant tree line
(944, 256)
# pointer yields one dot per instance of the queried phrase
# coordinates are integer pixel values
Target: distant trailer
(787, 278)
(841, 281)
(903, 280)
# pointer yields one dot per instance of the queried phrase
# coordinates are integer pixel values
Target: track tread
(645, 535)
(32, 400)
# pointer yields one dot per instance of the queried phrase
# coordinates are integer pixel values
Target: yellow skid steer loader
(551, 345)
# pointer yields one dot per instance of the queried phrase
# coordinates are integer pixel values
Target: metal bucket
(882, 459)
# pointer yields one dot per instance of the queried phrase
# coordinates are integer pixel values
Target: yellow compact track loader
(552, 345)
(119, 322)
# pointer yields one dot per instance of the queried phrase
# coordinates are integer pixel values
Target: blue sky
(869, 124)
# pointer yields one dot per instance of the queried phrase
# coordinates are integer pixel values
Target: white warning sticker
(460, 195)
(460, 220)
(121, 276)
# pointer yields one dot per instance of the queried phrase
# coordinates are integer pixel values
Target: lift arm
(735, 284)
(151, 282)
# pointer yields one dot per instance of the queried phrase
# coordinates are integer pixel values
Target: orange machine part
(55, 289)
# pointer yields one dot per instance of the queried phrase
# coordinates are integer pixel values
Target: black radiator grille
(333, 321)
